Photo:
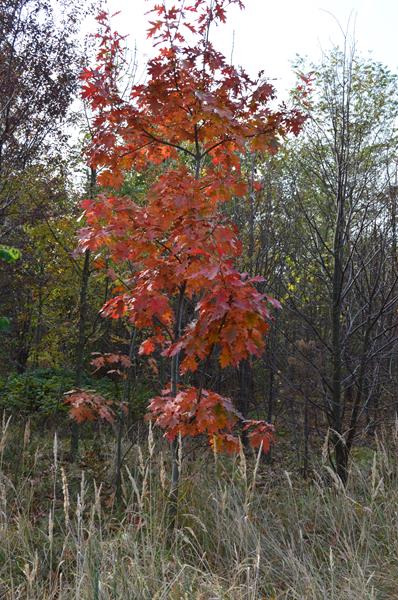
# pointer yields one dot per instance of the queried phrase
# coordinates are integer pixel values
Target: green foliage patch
(9, 254)
(5, 324)
(41, 391)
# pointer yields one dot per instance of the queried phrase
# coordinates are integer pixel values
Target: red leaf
(147, 347)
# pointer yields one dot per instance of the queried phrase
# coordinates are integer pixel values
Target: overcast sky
(269, 33)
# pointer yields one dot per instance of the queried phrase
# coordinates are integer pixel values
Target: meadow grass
(246, 530)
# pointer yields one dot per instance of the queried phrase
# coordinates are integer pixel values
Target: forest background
(318, 222)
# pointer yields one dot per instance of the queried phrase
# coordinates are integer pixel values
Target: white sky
(269, 33)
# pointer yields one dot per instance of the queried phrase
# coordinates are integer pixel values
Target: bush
(41, 391)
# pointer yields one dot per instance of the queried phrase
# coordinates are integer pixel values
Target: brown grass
(246, 531)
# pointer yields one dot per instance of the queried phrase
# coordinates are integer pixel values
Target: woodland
(198, 315)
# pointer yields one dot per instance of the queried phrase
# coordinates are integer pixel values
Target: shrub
(41, 392)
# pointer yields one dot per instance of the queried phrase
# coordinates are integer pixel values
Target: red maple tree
(173, 257)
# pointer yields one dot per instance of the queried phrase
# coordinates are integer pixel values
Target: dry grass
(245, 531)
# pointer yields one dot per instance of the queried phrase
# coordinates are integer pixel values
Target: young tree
(173, 258)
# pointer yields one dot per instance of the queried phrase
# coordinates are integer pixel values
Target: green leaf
(5, 324)
(9, 254)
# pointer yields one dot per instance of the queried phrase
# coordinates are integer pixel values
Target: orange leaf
(147, 347)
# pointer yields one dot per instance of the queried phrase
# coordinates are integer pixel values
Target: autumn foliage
(173, 257)
(86, 405)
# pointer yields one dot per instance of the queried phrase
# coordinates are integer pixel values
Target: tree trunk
(121, 420)
(81, 338)
(175, 366)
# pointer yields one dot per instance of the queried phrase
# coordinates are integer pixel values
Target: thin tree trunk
(306, 439)
(81, 339)
(39, 323)
(121, 420)
(175, 365)
(175, 375)
(337, 413)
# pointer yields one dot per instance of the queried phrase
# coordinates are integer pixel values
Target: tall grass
(246, 531)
